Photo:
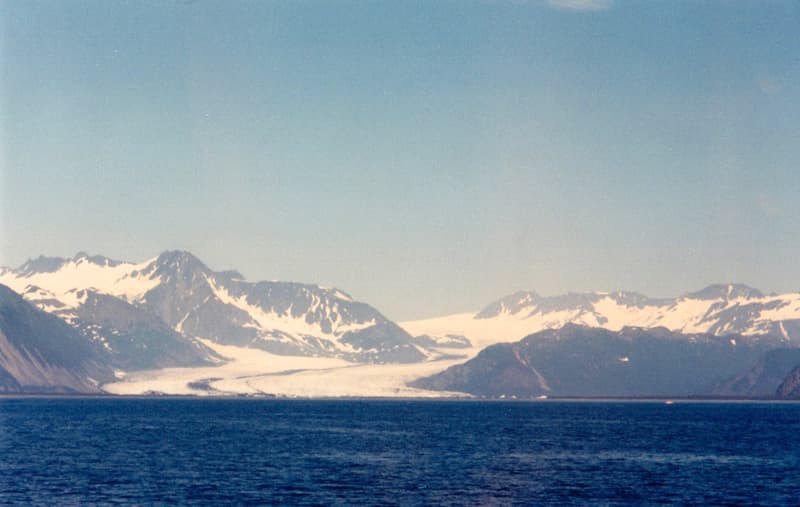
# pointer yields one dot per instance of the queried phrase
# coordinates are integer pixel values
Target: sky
(426, 157)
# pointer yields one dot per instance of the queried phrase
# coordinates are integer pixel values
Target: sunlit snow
(255, 372)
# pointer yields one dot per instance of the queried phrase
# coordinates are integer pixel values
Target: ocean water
(71, 451)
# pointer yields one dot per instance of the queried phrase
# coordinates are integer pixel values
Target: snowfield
(255, 372)
(744, 315)
(126, 280)
(480, 332)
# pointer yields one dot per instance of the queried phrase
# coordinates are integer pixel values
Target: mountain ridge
(173, 310)
(578, 360)
(718, 309)
(198, 302)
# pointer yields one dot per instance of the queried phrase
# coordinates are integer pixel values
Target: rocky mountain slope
(790, 387)
(583, 361)
(762, 379)
(167, 302)
(39, 353)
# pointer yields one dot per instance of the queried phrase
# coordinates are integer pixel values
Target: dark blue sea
(87, 451)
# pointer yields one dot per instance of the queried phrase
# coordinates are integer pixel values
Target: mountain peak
(230, 275)
(726, 291)
(510, 304)
(45, 264)
(177, 263)
(99, 260)
(178, 258)
(41, 264)
(8, 295)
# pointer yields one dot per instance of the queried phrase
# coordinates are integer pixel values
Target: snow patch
(285, 326)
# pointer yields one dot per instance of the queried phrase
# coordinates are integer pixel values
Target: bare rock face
(39, 353)
(790, 387)
(135, 338)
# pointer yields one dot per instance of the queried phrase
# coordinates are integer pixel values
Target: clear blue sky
(426, 157)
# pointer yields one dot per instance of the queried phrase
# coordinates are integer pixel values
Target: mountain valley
(173, 325)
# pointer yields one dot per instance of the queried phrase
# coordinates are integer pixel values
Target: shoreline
(471, 399)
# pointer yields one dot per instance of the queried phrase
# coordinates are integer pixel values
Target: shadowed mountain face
(135, 338)
(150, 314)
(39, 353)
(582, 361)
(790, 387)
(764, 377)
(8, 384)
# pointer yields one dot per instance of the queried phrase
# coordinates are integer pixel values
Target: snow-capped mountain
(280, 317)
(181, 299)
(99, 297)
(718, 309)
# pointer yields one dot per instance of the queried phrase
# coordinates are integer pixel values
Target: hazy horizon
(425, 157)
